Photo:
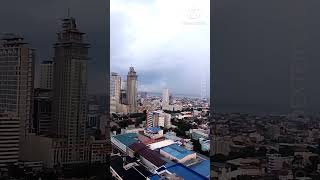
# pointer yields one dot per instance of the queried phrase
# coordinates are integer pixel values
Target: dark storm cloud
(38, 21)
(255, 43)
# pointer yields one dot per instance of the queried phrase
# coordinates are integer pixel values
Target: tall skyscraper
(165, 97)
(115, 86)
(132, 90)
(203, 86)
(70, 91)
(16, 84)
(46, 75)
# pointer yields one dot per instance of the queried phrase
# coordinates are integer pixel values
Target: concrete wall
(38, 148)
(118, 144)
(150, 166)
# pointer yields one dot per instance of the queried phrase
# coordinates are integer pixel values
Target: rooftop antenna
(68, 12)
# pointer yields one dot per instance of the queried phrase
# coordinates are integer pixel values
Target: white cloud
(164, 38)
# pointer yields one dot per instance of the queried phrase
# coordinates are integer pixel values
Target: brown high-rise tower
(70, 91)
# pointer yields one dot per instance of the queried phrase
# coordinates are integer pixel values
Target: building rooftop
(177, 151)
(127, 139)
(153, 129)
(160, 144)
(136, 172)
(137, 146)
(152, 156)
(202, 168)
(181, 171)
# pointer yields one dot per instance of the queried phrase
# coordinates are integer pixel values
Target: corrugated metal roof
(127, 139)
(202, 168)
(152, 156)
(177, 151)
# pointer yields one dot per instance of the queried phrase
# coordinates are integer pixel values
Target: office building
(152, 119)
(115, 86)
(98, 151)
(132, 90)
(165, 97)
(123, 92)
(158, 119)
(46, 75)
(113, 105)
(123, 96)
(93, 116)
(124, 85)
(167, 120)
(9, 139)
(42, 111)
(70, 91)
(16, 82)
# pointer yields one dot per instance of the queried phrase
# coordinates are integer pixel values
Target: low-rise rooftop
(181, 171)
(127, 139)
(153, 129)
(160, 144)
(177, 151)
(136, 172)
(152, 156)
(202, 168)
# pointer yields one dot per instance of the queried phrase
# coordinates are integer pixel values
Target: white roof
(161, 144)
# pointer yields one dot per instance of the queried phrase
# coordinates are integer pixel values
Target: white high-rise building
(115, 86)
(9, 138)
(132, 90)
(158, 119)
(167, 120)
(165, 97)
(46, 75)
(152, 119)
(203, 86)
(124, 85)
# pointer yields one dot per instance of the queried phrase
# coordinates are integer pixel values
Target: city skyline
(59, 118)
(123, 78)
(170, 36)
(39, 31)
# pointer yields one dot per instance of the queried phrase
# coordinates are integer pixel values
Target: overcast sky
(255, 43)
(166, 41)
(39, 20)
